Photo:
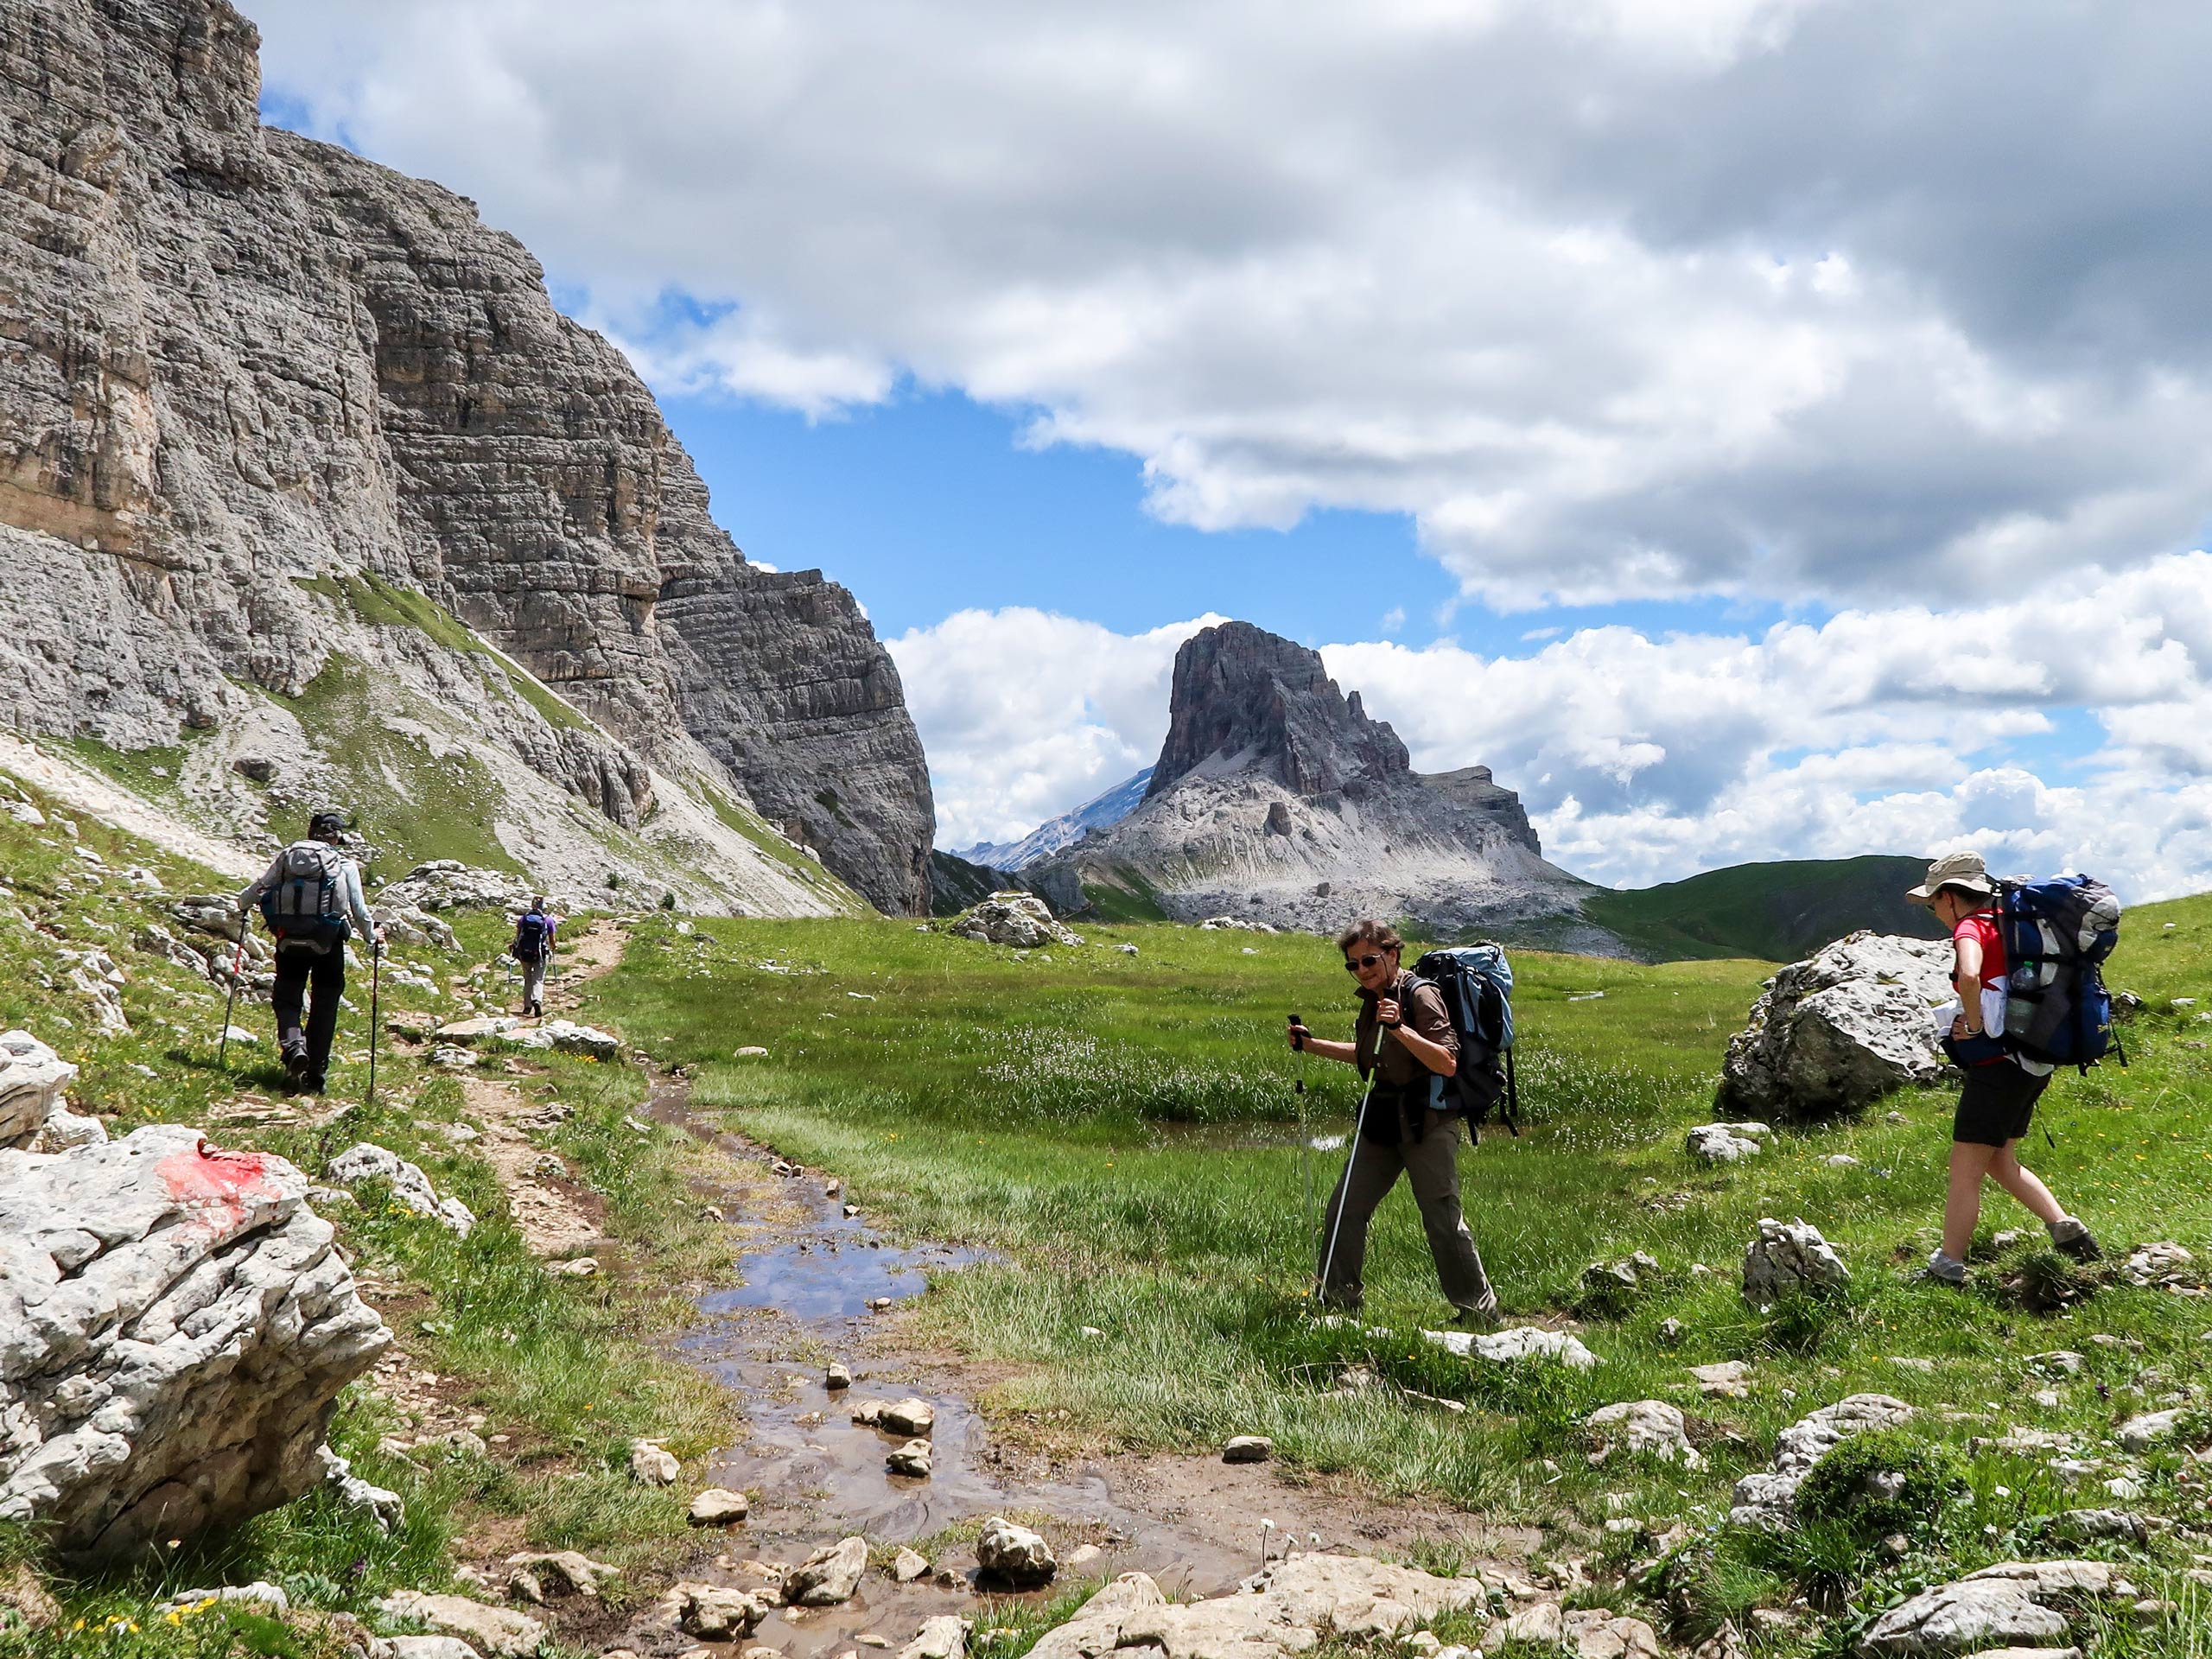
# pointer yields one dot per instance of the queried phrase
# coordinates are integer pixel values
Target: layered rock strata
(257, 394)
(1277, 799)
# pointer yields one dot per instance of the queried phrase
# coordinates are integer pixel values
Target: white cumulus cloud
(1613, 298)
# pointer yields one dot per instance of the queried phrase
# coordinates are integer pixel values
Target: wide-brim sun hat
(1964, 870)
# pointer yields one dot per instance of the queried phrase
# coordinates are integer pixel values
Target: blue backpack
(2057, 933)
(1476, 983)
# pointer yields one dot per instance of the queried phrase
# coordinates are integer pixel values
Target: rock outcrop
(174, 1328)
(1840, 1030)
(296, 453)
(2014, 1605)
(1285, 1609)
(1769, 1498)
(1276, 799)
(1021, 920)
(1784, 1257)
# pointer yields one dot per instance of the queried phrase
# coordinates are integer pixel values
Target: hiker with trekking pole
(1405, 1045)
(532, 947)
(311, 897)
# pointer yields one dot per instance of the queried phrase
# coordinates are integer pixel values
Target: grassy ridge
(1778, 911)
(1125, 1130)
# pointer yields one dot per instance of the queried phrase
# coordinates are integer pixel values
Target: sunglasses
(1353, 964)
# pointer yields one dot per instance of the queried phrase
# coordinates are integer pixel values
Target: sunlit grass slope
(1124, 1129)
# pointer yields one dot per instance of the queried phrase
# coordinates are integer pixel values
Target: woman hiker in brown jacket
(1405, 1043)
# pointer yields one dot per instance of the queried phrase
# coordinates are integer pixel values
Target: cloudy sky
(1756, 428)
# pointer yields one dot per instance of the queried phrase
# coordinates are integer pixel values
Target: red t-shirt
(1982, 925)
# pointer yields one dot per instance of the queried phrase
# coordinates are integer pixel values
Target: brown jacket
(1392, 1063)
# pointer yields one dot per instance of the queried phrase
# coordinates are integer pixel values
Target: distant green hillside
(1778, 913)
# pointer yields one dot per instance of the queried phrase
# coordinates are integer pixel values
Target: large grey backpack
(302, 905)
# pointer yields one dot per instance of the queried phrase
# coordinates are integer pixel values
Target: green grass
(567, 1368)
(1778, 911)
(754, 829)
(409, 802)
(1124, 1131)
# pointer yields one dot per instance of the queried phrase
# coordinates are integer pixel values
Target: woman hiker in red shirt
(2001, 1087)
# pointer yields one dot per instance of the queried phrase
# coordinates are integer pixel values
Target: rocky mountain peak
(1246, 699)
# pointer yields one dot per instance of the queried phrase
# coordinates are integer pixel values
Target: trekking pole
(1304, 1143)
(375, 1025)
(1343, 1194)
(238, 961)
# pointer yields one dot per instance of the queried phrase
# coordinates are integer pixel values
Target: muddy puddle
(810, 1273)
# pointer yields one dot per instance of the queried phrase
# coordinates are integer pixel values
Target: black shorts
(1996, 1104)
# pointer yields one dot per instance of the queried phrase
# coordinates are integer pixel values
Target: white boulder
(1642, 1428)
(1792, 1256)
(1840, 1030)
(499, 1631)
(1728, 1143)
(828, 1576)
(1520, 1344)
(1021, 920)
(365, 1160)
(2015, 1602)
(566, 1037)
(175, 1326)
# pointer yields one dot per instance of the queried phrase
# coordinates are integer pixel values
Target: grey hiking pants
(1432, 1165)
(533, 980)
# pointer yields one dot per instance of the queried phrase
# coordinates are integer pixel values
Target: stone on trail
(1248, 1448)
(411, 1187)
(828, 1576)
(1838, 1030)
(1790, 1257)
(2017, 1603)
(910, 1416)
(1287, 1608)
(1769, 1498)
(1518, 1345)
(715, 1612)
(909, 1565)
(2160, 1266)
(839, 1375)
(175, 1326)
(2141, 1433)
(430, 1647)
(652, 1463)
(1728, 1143)
(1642, 1428)
(566, 1037)
(1725, 1379)
(912, 1459)
(500, 1632)
(718, 1506)
(942, 1637)
(476, 1030)
(1021, 920)
(1013, 1554)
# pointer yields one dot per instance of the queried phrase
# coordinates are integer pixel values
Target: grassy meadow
(1124, 1130)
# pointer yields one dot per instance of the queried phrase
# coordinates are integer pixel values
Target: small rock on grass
(718, 1506)
(582, 1267)
(652, 1463)
(909, 1565)
(1248, 1448)
(495, 1630)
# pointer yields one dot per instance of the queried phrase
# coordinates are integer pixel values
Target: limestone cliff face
(235, 363)
(1277, 798)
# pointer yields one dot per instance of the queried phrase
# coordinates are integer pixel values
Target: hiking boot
(1944, 1270)
(295, 1064)
(1482, 1316)
(2070, 1237)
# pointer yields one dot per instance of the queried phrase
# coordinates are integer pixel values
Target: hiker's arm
(357, 905)
(1424, 1030)
(1968, 981)
(249, 894)
(1322, 1047)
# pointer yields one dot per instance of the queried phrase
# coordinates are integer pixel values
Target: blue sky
(1748, 450)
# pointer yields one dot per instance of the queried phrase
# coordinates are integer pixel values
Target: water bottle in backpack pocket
(2057, 934)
